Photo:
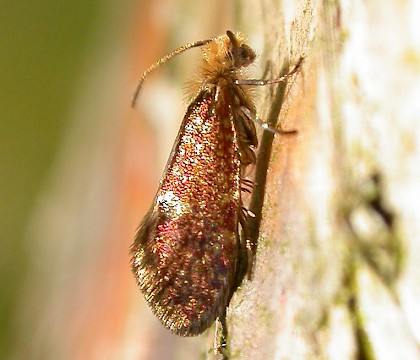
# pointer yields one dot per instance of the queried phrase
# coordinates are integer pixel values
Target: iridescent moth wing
(185, 254)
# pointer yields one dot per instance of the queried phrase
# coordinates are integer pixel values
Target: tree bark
(335, 274)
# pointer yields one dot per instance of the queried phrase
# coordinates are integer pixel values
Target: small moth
(188, 256)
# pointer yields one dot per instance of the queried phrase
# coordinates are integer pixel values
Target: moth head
(242, 54)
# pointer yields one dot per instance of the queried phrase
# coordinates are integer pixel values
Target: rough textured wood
(336, 273)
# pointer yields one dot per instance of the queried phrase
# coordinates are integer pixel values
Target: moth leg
(246, 246)
(263, 124)
(247, 185)
(245, 127)
(263, 82)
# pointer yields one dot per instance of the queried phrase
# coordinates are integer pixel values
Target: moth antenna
(163, 60)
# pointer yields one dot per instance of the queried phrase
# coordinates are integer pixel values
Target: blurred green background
(43, 45)
(79, 168)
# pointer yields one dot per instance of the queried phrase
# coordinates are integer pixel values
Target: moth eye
(247, 52)
(243, 53)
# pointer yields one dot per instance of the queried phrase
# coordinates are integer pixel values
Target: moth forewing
(186, 265)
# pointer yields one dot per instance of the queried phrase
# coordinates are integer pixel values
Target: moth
(189, 254)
